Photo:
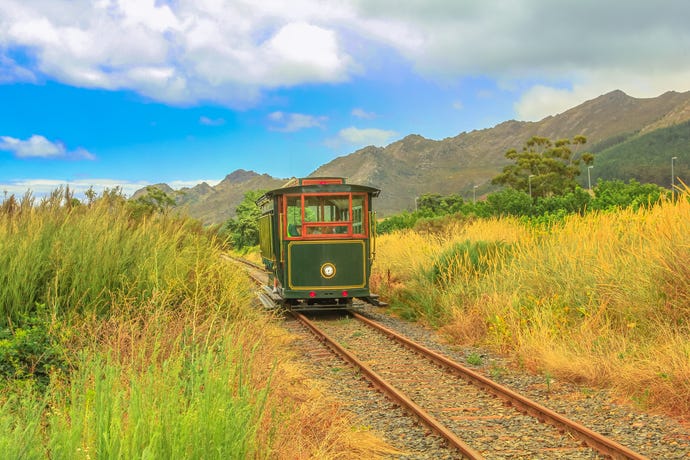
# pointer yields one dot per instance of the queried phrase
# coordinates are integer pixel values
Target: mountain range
(631, 138)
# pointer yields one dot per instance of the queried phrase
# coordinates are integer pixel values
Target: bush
(617, 194)
(30, 353)
(572, 202)
(439, 224)
(397, 222)
(468, 258)
(510, 202)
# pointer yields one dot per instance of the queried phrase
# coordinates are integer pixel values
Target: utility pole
(673, 178)
(529, 183)
(589, 177)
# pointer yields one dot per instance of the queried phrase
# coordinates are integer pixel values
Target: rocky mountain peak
(240, 175)
(415, 165)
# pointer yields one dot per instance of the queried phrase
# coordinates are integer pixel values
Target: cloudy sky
(132, 92)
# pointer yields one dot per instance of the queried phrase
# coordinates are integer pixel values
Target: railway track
(475, 415)
(479, 418)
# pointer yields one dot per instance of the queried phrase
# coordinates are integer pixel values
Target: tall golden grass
(166, 356)
(602, 299)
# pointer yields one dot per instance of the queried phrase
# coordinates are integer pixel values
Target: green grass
(124, 334)
(475, 359)
(465, 259)
(122, 337)
(192, 407)
(83, 259)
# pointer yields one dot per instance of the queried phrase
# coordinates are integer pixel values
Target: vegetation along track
(478, 417)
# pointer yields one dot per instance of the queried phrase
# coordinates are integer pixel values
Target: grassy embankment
(601, 299)
(125, 337)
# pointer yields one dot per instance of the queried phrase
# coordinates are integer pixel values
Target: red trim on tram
(325, 229)
(322, 181)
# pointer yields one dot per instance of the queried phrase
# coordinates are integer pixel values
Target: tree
(544, 167)
(437, 204)
(154, 201)
(243, 230)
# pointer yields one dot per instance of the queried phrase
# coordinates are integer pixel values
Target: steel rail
(591, 438)
(241, 261)
(388, 389)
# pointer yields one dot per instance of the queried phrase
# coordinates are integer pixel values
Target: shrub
(397, 222)
(30, 353)
(468, 258)
(510, 202)
(617, 194)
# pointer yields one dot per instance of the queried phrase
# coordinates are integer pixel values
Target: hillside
(647, 157)
(415, 165)
(630, 137)
(217, 204)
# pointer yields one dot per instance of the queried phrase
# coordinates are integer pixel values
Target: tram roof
(319, 188)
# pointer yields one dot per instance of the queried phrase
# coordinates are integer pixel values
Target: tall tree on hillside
(544, 167)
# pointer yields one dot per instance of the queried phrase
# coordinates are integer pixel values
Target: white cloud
(39, 147)
(150, 14)
(10, 71)
(35, 146)
(181, 52)
(291, 122)
(587, 47)
(231, 51)
(361, 113)
(300, 52)
(540, 101)
(531, 37)
(41, 187)
(361, 137)
(211, 121)
(81, 154)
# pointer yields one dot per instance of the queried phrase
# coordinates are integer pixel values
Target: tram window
(326, 209)
(294, 215)
(311, 209)
(357, 214)
(338, 214)
(327, 230)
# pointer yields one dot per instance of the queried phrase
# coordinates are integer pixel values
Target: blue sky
(127, 93)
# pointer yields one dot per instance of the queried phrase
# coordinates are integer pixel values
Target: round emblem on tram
(328, 270)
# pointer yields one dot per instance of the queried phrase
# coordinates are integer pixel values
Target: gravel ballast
(655, 436)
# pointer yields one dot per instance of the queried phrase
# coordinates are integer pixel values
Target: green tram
(317, 239)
